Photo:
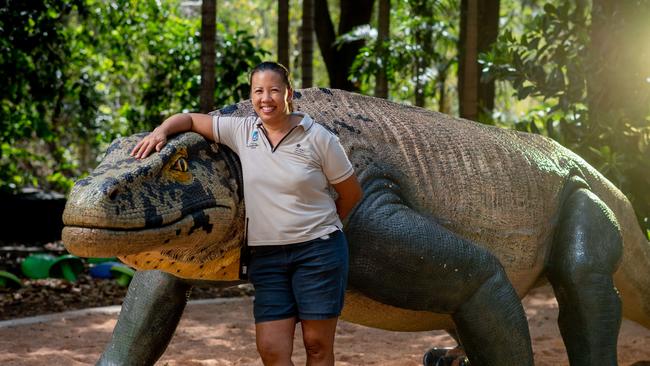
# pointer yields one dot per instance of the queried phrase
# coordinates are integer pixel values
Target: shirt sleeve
(225, 130)
(336, 165)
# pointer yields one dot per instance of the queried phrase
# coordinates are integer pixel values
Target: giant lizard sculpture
(458, 222)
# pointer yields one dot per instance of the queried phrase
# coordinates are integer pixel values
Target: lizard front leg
(150, 313)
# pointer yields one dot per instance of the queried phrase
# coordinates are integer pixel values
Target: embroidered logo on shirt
(300, 150)
(252, 142)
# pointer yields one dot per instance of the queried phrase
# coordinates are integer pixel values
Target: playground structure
(68, 267)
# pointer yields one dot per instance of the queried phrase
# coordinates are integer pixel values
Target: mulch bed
(52, 295)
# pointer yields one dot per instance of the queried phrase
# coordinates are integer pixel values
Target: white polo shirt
(286, 186)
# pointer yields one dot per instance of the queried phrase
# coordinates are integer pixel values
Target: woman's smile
(267, 109)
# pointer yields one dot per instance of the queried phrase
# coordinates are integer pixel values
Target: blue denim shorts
(305, 280)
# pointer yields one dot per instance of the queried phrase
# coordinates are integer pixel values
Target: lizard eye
(180, 165)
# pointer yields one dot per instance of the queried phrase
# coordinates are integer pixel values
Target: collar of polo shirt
(306, 122)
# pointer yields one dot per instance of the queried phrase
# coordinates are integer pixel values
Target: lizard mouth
(197, 229)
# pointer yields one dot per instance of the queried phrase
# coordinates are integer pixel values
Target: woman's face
(270, 95)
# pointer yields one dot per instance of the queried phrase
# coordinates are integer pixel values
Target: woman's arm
(350, 193)
(196, 122)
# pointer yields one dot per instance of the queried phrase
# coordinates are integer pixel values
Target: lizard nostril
(113, 194)
(109, 188)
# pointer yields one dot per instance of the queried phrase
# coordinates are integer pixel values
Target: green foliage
(420, 51)
(552, 62)
(237, 56)
(83, 72)
(32, 57)
(547, 61)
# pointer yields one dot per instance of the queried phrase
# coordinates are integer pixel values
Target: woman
(299, 254)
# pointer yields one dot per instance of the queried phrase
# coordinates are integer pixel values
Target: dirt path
(223, 334)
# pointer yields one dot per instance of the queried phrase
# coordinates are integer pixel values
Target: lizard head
(180, 210)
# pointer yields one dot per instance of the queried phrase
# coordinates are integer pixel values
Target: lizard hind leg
(406, 259)
(587, 248)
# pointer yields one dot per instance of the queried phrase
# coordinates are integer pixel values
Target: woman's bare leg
(275, 341)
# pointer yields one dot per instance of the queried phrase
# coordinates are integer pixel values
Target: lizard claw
(444, 357)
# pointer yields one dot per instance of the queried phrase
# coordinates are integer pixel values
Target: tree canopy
(81, 73)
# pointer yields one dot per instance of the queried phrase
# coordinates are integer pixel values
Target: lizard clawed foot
(445, 357)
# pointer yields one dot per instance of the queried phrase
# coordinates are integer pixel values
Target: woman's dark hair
(277, 68)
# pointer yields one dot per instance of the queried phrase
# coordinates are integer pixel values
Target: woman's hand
(182, 122)
(350, 193)
(155, 140)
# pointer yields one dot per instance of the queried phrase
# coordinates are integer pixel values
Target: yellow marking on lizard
(224, 268)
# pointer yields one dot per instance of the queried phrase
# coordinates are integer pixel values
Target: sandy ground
(223, 334)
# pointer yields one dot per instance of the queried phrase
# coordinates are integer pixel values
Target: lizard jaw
(201, 228)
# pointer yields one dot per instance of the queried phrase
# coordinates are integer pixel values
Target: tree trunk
(487, 35)
(338, 60)
(423, 37)
(208, 54)
(283, 33)
(381, 82)
(444, 103)
(307, 43)
(418, 72)
(468, 70)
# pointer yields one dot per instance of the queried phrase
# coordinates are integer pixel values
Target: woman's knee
(273, 350)
(274, 340)
(318, 346)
